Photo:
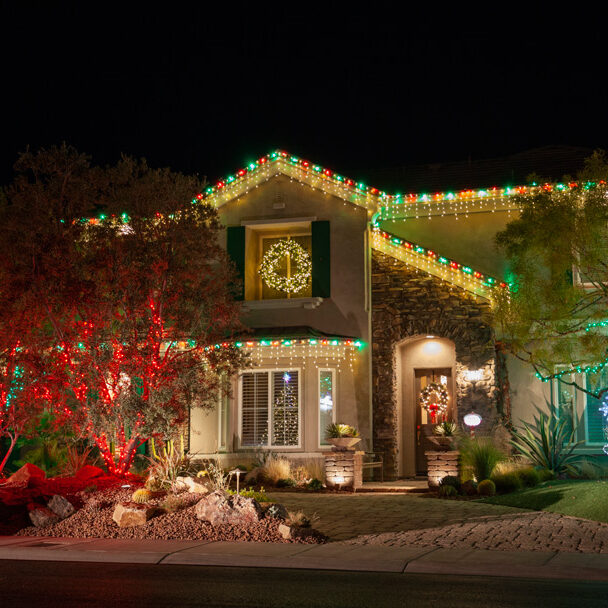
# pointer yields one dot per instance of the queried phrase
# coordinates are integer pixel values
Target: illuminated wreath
(434, 399)
(271, 260)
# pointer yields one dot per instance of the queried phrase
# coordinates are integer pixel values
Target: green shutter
(321, 260)
(235, 245)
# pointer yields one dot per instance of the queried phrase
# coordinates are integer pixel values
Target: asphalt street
(71, 584)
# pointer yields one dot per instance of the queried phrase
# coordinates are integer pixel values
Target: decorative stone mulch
(94, 520)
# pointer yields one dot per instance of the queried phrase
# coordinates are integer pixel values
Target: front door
(429, 409)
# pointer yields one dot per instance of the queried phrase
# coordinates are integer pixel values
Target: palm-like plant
(548, 443)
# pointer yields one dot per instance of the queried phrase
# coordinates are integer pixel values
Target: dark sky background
(204, 90)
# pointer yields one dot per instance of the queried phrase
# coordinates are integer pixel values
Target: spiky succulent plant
(141, 495)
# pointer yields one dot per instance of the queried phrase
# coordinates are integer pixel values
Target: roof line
(389, 206)
(425, 259)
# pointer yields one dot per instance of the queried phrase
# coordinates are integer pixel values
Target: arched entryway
(406, 308)
(421, 362)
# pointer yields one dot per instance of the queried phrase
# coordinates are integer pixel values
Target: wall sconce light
(473, 375)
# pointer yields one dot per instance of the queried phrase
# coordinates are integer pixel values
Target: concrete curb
(332, 556)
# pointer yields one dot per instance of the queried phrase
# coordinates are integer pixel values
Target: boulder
(285, 531)
(42, 517)
(194, 486)
(220, 508)
(128, 514)
(276, 510)
(25, 475)
(60, 506)
(89, 472)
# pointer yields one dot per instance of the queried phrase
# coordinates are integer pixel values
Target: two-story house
(369, 309)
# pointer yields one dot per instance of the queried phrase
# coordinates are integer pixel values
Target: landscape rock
(89, 472)
(25, 475)
(61, 506)
(194, 486)
(219, 508)
(42, 517)
(285, 531)
(277, 511)
(127, 514)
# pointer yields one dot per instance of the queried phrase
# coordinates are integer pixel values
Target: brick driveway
(409, 519)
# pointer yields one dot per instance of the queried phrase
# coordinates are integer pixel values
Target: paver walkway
(410, 520)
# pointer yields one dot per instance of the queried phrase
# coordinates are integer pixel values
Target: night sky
(204, 90)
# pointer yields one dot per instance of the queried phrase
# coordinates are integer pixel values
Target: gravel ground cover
(94, 520)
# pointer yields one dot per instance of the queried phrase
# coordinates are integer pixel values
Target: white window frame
(269, 372)
(575, 410)
(334, 388)
(222, 445)
(587, 442)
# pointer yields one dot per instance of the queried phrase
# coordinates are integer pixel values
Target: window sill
(306, 303)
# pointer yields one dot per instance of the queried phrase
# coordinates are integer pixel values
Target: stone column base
(344, 470)
(440, 465)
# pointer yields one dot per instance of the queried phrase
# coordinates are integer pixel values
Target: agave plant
(337, 430)
(548, 443)
(446, 429)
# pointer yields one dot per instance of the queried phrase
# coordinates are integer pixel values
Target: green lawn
(586, 499)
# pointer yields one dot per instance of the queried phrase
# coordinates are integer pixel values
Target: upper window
(270, 408)
(287, 257)
(295, 257)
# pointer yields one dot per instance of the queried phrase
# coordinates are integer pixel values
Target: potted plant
(342, 436)
(444, 435)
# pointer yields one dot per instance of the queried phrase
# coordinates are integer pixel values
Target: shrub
(528, 476)
(259, 495)
(75, 459)
(300, 475)
(153, 484)
(546, 475)
(507, 482)
(481, 456)
(141, 495)
(298, 519)
(169, 463)
(486, 488)
(216, 475)
(469, 488)
(451, 480)
(173, 503)
(286, 483)
(314, 468)
(276, 468)
(588, 469)
(447, 491)
(315, 485)
(548, 443)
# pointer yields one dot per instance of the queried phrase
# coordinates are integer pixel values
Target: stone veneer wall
(405, 303)
(344, 469)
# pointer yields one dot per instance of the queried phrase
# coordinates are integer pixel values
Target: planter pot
(341, 444)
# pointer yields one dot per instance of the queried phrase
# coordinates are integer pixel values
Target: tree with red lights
(133, 302)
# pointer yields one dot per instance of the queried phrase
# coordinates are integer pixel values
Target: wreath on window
(434, 399)
(271, 260)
